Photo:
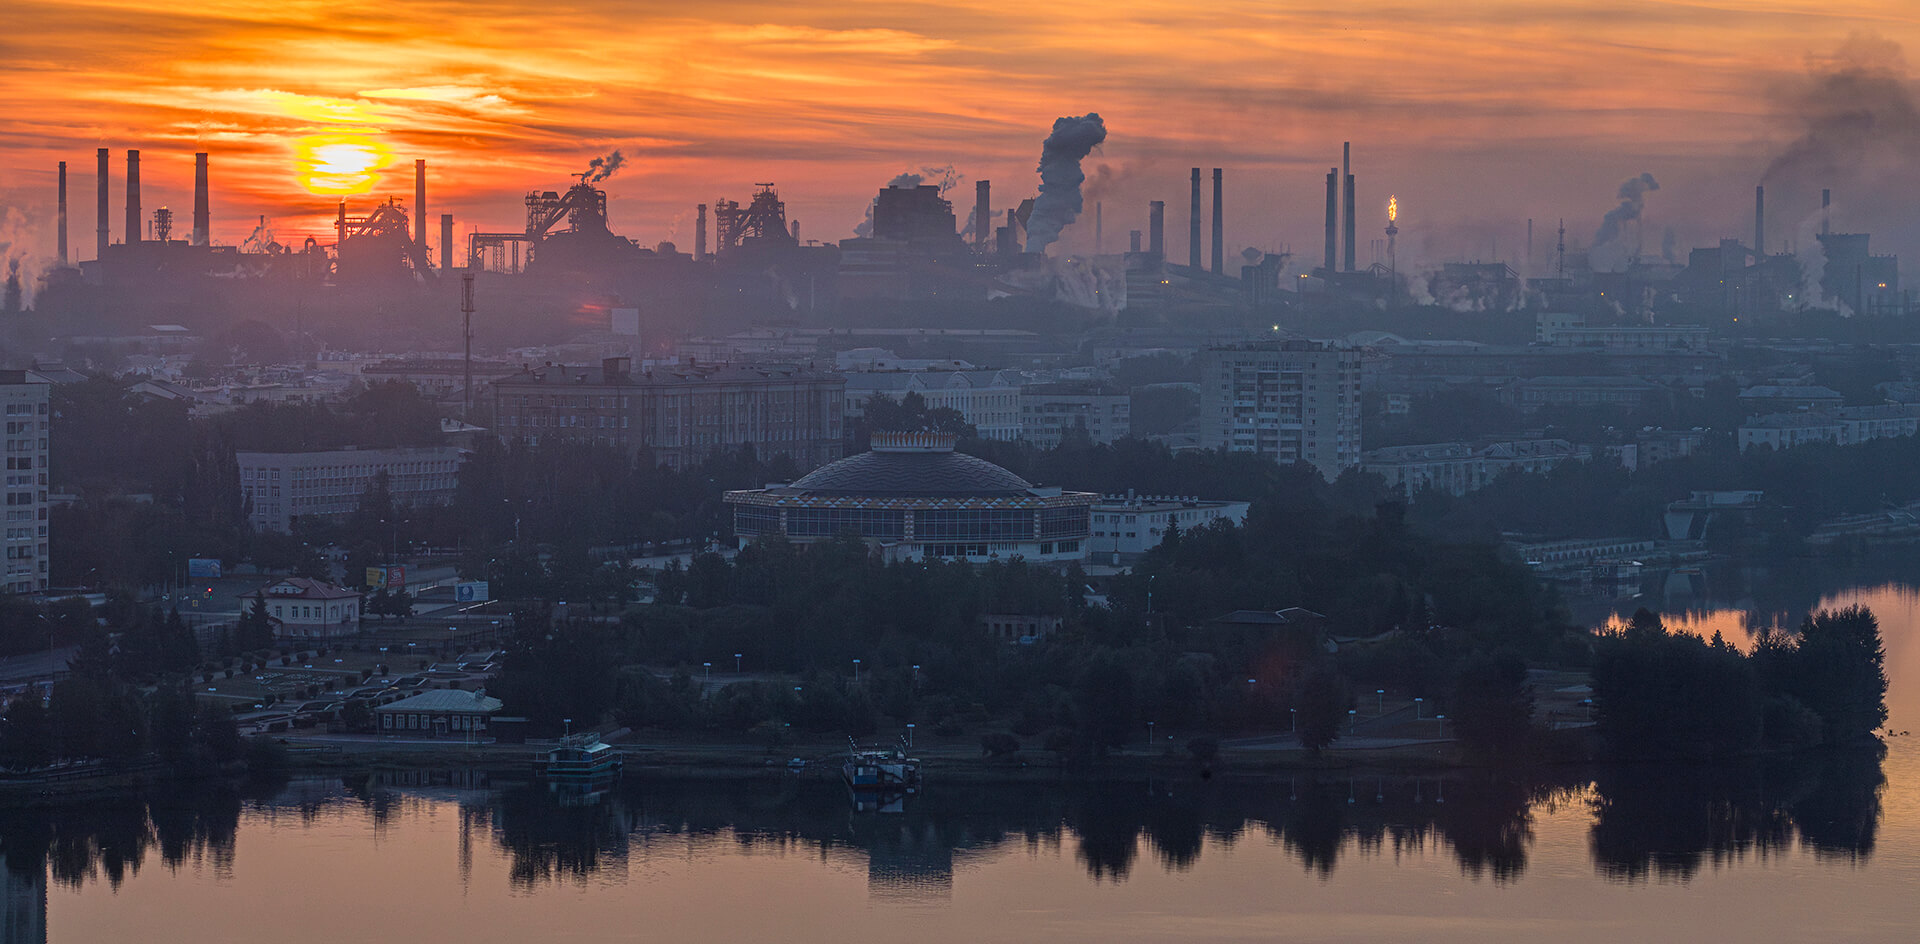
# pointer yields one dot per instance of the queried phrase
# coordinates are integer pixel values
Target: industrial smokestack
(983, 215)
(62, 248)
(1133, 240)
(133, 197)
(1826, 210)
(202, 217)
(1350, 225)
(796, 231)
(446, 242)
(1333, 214)
(700, 235)
(1759, 223)
(1157, 227)
(1099, 225)
(1346, 171)
(1219, 230)
(420, 202)
(1193, 237)
(100, 227)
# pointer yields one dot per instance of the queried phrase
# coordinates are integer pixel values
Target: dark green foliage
(1835, 668)
(1671, 695)
(557, 670)
(1321, 708)
(26, 734)
(1492, 706)
(999, 744)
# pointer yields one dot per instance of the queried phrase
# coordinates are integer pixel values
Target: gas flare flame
(1393, 209)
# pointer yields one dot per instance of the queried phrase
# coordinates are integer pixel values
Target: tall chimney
(1333, 215)
(1349, 240)
(133, 197)
(1133, 240)
(100, 179)
(700, 235)
(446, 242)
(1826, 210)
(1099, 224)
(202, 217)
(1193, 237)
(62, 248)
(1219, 231)
(1157, 227)
(1759, 223)
(420, 202)
(1346, 173)
(796, 231)
(339, 234)
(983, 215)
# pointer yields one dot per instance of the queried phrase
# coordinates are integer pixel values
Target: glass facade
(755, 519)
(828, 522)
(976, 524)
(1063, 522)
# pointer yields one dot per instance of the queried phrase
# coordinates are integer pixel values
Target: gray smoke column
(1060, 177)
(600, 168)
(1610, 251)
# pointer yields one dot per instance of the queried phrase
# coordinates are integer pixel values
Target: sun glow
(339, 164)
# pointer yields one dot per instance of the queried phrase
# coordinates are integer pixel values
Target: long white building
(281, 487)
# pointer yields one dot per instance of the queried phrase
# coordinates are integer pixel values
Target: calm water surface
(1826, 850)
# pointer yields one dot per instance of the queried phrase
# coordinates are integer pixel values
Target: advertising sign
(396, 576)
(472, 591)
(376, 577)
(206, 567)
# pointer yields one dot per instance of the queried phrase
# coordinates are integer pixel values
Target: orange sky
(1477, 114)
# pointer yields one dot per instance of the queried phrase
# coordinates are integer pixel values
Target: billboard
(392, 576)
(376, 577)
(472, 591)
(207, 567)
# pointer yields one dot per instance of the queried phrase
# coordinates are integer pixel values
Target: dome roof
(913, 474)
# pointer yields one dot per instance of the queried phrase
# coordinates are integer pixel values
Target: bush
(265, 756)
(999, 744)
(949, 727)
(1204, 749)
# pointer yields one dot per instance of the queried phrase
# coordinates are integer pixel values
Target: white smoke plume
(1060, 202)
(1811, 253)
(1611, 252)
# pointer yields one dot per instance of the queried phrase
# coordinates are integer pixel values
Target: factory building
(677, 416)
(1290, 401)
(915, 498)
(26, 397)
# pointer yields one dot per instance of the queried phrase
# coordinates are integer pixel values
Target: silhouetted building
(26, 396)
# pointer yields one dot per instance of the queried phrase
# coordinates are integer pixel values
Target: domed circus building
(916, 498)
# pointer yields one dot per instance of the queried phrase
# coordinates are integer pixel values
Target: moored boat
(578, 757)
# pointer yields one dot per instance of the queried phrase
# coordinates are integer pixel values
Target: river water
(1826, 849)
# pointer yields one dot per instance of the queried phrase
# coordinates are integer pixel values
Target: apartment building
(1290, 401)
(25, 397)
(1049, 412)
(677, 415)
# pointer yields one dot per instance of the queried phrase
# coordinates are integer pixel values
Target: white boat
(881, 768)
(578, 757)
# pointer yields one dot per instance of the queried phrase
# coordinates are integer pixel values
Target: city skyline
(1477, 119)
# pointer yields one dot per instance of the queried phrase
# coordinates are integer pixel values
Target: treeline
(1661, 694)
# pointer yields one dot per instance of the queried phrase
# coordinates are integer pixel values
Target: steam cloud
(1060, 202)
(1610, 251)
(1853, 111)
(600, 168)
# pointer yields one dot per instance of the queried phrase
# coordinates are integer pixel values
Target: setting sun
(339, 164)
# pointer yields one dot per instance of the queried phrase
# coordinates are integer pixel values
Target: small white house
(308, 609)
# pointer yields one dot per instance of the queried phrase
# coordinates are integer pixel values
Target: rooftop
(446, 699)
(919, 465)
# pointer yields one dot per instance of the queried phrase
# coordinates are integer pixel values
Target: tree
(26, 734)
(255, 630)
(557, 671)
(1493, 706)
(1839, 671)
(999, 744)
(1322, 706)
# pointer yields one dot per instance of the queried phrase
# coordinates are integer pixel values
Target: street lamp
(1293, 721)
(1443, 724)
(1353, 720)
(1380, 704)
(1417, 706)
(909, 735)
(736, 663)
(708, 666)
(856, 671)
(1586, 706)
(1149, 735)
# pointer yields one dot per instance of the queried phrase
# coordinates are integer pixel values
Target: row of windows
(827, 522)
